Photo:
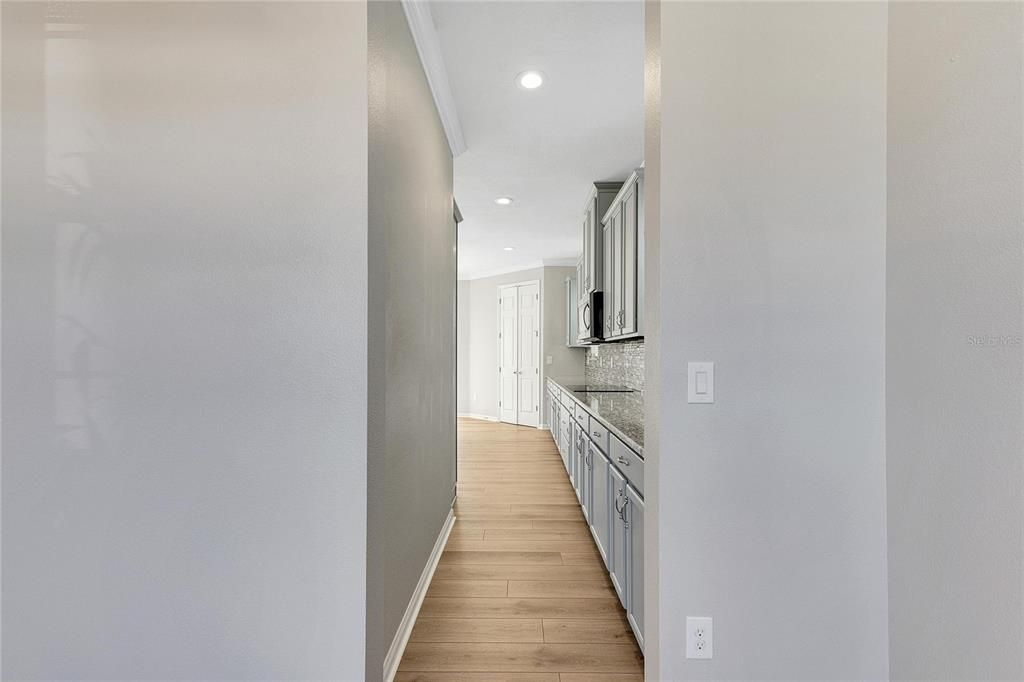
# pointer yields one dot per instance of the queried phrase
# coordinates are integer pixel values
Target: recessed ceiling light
(504, 201)
(509, 248)
(530, 80)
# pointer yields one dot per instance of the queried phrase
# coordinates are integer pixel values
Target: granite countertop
(622, 413)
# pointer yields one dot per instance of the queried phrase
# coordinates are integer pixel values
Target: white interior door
(508, 384)
(528, 410)
(519, 354)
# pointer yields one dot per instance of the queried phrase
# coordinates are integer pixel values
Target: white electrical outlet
(698, 637)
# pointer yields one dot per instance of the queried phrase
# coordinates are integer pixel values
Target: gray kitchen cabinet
(580, 292)
(623, 242)
(565, 434)
(608, 477)
(608, 265)
(581, 470)
(574, 458)
(600, 199)
(628, 302)
(618, 550)
(586, 477)
(634, 522)
(617, 286)
(600, 501)
(583, 324)
(572, 313)
(580, 307)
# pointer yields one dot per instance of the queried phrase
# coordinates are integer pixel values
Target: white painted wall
(479, 328)
(184, 342)
(773, 154)
(652, 339)
(954, 363)
(462, 390)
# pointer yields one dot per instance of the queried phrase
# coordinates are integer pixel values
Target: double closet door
(519, 354)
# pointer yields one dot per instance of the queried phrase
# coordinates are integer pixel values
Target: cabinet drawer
(628, 462)
(583, 417)
(599, 435)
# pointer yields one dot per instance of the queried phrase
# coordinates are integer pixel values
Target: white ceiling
(543, 147)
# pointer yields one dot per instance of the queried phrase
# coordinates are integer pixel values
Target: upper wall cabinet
(572, 320)
(622, 254)
(590, 272)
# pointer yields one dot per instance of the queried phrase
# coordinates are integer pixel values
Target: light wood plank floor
(520, 593)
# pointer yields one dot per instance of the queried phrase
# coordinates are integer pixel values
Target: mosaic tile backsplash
(620, 364)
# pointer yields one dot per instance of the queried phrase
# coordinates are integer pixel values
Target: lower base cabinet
(600, 518)
(634, 521)
(586, 476)
(613, 508)
(618, 550)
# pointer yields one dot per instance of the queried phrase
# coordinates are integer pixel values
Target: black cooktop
(598, 388)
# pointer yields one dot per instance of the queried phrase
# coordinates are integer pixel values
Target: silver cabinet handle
(623, 461)
(621, 512)
(597, 433)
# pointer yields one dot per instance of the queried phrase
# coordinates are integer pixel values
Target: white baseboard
(394, 656)
(485, 417)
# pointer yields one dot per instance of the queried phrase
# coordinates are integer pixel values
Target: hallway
(520, 587)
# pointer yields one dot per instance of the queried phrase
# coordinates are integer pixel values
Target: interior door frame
(540, 342)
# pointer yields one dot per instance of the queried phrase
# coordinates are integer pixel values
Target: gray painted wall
(953, 346)
(184, 342)
(480, 329)
(773, 180)
(411, 468)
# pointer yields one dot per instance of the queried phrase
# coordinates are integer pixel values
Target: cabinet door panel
(586, 284)
(600, 502)
(618, 550)
(571, 322)
(629, 241)
(635, 563)
(587, 475)
(583, 316)
(608, 262)
(617, 271)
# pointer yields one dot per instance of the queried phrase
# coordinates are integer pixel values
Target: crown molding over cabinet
(424, 34)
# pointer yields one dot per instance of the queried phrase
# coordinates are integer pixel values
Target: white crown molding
(424, 34)
(546, 263)
(560, 262)
(503, 271)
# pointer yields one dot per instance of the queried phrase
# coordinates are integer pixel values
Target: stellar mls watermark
(995, 341)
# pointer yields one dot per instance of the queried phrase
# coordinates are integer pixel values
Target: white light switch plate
(699, 639)
(700, 382)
